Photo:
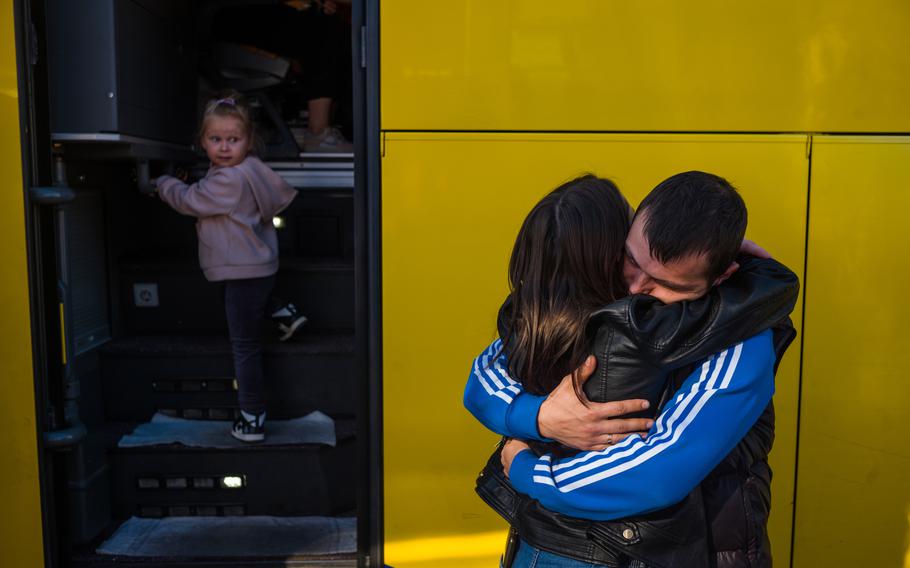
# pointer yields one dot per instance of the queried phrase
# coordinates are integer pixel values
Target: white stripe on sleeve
(662, 431)
(663, 438)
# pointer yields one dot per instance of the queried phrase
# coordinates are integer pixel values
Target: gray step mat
(314, 428)
(206, 537)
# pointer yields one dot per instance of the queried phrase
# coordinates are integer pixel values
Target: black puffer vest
(645, 349)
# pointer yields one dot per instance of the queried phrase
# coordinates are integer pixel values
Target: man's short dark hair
(695, 213)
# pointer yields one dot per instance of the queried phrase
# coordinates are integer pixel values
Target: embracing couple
(632, 380)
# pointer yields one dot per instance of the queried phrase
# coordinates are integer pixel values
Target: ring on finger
(609, 439)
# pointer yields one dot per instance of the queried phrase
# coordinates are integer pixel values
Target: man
(683, 241)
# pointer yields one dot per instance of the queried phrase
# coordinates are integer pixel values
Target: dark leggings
(245, 304)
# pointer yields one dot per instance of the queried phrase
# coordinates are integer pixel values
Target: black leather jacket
(644, 350)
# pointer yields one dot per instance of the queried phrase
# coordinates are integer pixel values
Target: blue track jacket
(712, 411)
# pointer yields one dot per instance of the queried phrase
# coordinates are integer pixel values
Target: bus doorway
(146, 390)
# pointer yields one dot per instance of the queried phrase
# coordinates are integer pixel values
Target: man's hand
(566, 419)
(509, 450)
(752, 249)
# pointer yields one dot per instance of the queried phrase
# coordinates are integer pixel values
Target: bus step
(215, 537)
(176, 298)
(193, 377)
(280, 480)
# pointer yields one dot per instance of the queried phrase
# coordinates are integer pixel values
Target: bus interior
(140, 402)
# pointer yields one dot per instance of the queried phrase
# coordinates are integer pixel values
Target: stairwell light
(232, 481)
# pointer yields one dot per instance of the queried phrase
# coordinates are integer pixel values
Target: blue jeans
(530, 557)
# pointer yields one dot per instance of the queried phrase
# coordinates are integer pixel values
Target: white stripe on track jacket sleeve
(499, 402)
(716, 406)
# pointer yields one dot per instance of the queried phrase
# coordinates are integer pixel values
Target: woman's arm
(501, 404)
(704, 421)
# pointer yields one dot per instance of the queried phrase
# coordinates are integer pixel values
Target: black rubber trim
(368, 278)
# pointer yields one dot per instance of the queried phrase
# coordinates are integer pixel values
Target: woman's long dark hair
(567, 262)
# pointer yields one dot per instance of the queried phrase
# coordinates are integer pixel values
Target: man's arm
(709, 415)
(501, 404)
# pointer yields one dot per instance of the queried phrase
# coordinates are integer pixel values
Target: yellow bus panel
(20, 524)
(853, 497)
(451, 208)
(663, 65)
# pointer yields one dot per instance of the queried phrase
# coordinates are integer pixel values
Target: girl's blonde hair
(230, 104)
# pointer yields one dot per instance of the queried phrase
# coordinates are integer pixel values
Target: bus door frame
(368, 278)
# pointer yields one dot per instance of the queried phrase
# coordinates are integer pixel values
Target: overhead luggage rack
(109, 145)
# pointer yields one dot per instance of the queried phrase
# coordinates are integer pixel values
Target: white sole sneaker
(248, 437)
(249, 430)
(288, 330)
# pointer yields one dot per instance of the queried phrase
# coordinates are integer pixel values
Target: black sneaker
(289, 320)
(249, 427)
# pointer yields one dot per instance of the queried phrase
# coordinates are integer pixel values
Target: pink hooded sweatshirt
(234, 206)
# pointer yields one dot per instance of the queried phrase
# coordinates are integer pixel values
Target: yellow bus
(464, 113)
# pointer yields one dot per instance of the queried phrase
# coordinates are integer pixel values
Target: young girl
(234, 204)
